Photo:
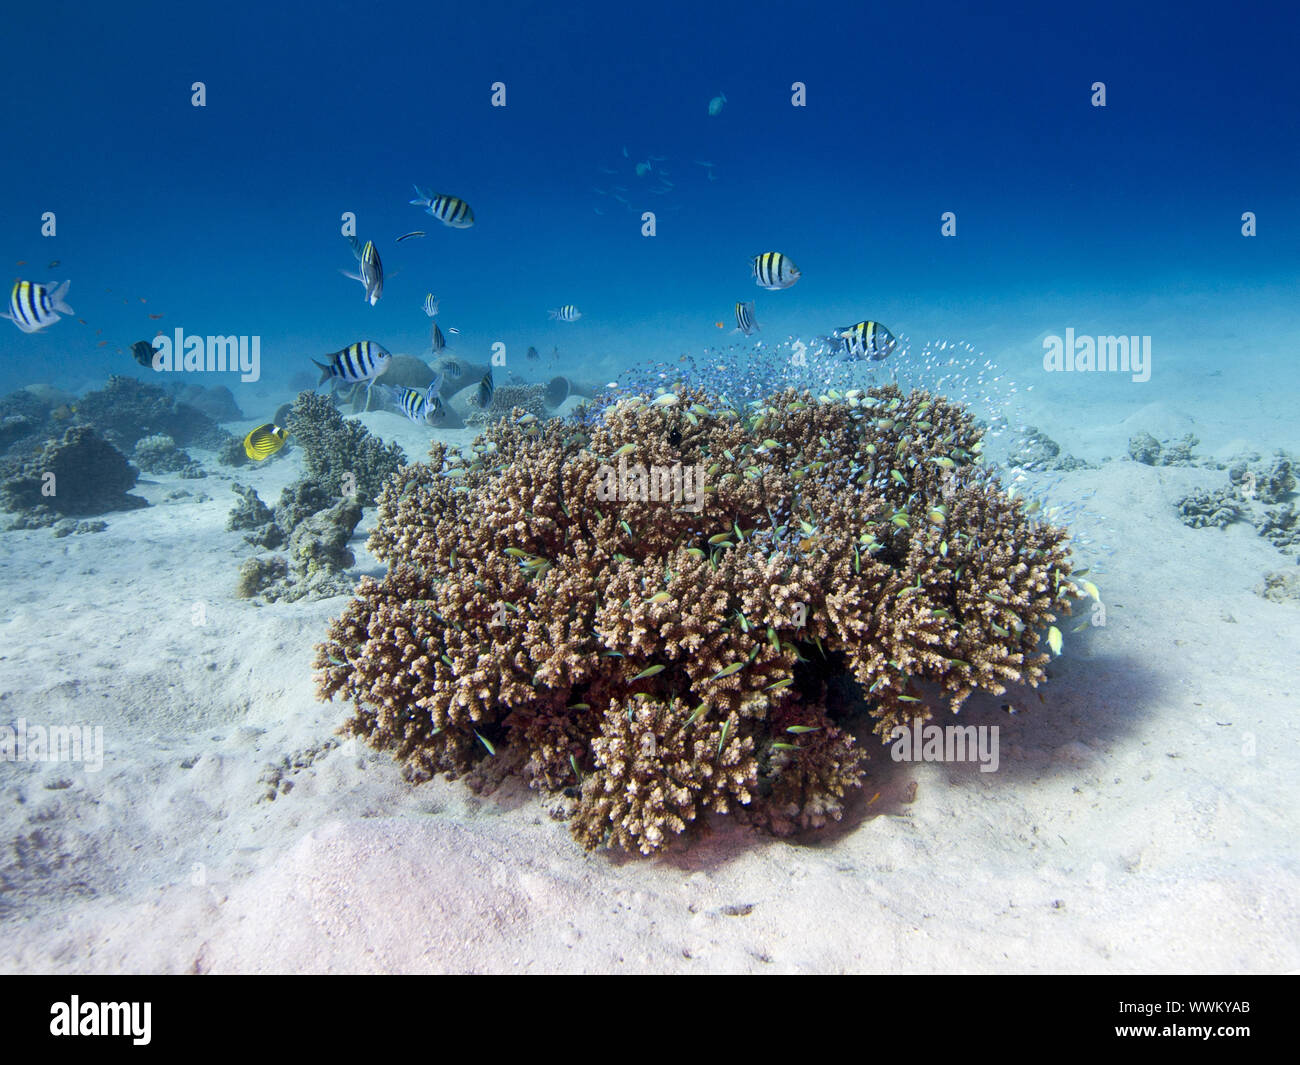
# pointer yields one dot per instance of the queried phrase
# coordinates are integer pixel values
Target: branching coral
(651, 606)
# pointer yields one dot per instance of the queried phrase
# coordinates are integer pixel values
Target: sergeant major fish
(362, 361)
(567, 313)
(372, 270)
(745, 322)
(33, 306)
(866, 340)
(773, 270)
(449, 210)
(422, 407)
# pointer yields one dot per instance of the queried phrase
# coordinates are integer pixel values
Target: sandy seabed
(1143, 816)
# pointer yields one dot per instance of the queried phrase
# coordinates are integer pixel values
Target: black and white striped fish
(422, 406)
(33, 306)
(745, 321)
(363, 361)
(485, 390)
(438, 340)
(450, 367)
(371, 269)
(567, 313)
(774, 270)
(431, 305)
(449, 210)
(869, 340)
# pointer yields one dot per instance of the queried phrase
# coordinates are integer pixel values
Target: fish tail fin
(58, 299)
(326, 372)
(422, 197)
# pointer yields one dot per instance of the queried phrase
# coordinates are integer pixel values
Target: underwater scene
(732, 488)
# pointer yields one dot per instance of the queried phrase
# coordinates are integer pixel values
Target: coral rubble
(648, 610)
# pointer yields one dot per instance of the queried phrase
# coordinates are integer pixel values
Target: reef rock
(1037, 451)
(159, 454)
(254, 519)
(126, 410)
(1144, 448)
(78, 475)
(1280, 587)
(1219, 508)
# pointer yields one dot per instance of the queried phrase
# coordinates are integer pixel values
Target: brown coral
(563, 590)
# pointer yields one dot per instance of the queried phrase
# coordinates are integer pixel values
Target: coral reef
(1257, 494)
(126, 410)
(340, 454)
(159, 454)
(1035, 450)
(1219, 508)
(649, 609)
(1266, 484)
(257, 575)
(1145, 448)
(24, 421)
(1280, 526)
(254, 518)
(81, 474)
(315, 531)
(299, 501)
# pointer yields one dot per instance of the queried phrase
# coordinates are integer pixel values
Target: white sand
(1143, 817)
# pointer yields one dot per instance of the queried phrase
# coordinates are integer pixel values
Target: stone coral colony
(658, 660)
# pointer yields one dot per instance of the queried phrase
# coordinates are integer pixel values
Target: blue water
(226, 218)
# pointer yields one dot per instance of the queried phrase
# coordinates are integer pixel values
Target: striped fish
(449, 210)
(372, 270)
(363, 361)
(567, 313)
(485, 390)
(774, 270)
(438, 340)
(745, 322)
(452, 368)
(33, 306)
(866, 340)
(264, 441)
(431, 305)
(421, 406)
